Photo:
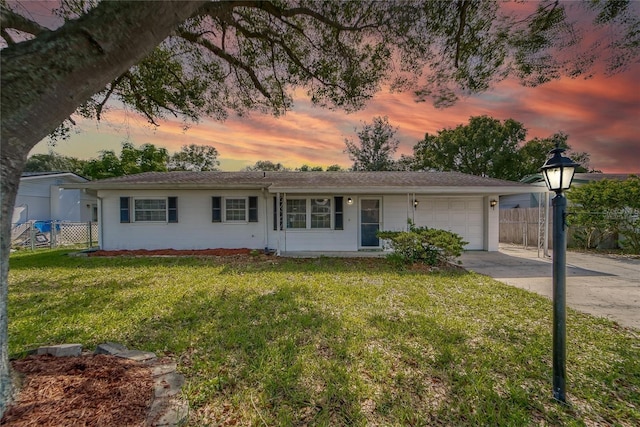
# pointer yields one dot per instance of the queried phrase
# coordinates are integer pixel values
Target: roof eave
(468, 190)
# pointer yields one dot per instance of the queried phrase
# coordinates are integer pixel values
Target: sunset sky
(601, 115)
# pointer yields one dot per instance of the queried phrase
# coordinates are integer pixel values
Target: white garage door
(461, 216)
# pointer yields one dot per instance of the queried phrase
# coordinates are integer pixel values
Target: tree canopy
(484, 147)
(267, 165)
(487, 147)
(132, 160)
(54, 162)
(203, 58)
(194, 157)
(375, 147)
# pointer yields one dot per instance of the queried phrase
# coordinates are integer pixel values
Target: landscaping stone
(168, 385)
(61, 350)
(163, 368)
(168, 413)
(167, 409)
(110, 348)
(137, 355)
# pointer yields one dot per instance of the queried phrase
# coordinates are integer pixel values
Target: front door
(369, 223)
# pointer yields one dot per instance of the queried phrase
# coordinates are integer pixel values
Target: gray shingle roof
(301, 181)
(314, 179)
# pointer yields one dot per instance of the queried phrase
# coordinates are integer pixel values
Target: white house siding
(295, 240)
(469, 217)
(463, 216)
(71, 205)
(33, 200)
(40, 198)
(194, 229)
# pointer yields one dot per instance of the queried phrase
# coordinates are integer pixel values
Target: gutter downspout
(100, 222)
(408, 204)
(279, 232)
(266, 221)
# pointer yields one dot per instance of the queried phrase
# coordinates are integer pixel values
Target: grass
(277, 342)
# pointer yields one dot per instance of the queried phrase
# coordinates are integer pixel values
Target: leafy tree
(484, 147)
(195, 158)
(195, 58)
(107, 165)
(147, 158)
(267, 165)
(487, 147)
(535, 152)
(376, 146)
(132, 160)
(334, 168)
(606, 208)
(54, 162)
(307, 168)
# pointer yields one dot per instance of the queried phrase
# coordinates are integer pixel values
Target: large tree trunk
(45, 79)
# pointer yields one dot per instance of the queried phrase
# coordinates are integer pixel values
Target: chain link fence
(54, 234)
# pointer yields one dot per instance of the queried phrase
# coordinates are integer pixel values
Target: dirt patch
(172, 252)
(94, 390)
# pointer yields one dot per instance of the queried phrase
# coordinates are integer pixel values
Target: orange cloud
(601, 116)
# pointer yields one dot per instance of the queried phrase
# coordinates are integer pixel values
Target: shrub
(423, 245)
(606, 208)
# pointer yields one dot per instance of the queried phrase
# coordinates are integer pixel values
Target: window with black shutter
(125, 209)
(173, 209)
(338, 215)
(216, 209)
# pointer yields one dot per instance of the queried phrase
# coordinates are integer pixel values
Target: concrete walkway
(605, 286)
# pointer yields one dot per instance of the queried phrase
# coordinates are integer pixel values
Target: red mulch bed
(95, 390)
(173, 252)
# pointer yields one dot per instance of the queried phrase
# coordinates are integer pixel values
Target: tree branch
(10, 19)
(231, 60)
(462, 8)
(292, 56)
(215, 9)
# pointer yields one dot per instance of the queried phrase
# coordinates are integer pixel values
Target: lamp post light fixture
(558, 173)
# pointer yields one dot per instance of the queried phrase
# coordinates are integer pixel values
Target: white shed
(41, 198)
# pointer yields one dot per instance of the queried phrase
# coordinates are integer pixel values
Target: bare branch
(112, 87)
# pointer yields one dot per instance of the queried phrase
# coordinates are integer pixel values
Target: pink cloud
(601, 116)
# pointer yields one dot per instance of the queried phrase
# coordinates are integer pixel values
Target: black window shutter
(275, 213)
(125, 210)
(173, 209)
(338, 220)
(253, 209)
(216, 209)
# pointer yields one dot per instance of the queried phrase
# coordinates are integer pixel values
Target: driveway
(605, 286)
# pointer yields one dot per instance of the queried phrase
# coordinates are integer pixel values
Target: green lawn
(270, 341)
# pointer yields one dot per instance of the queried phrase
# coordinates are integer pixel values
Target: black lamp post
(558, 173)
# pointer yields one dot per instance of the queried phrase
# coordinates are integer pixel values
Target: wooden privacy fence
(524, 226)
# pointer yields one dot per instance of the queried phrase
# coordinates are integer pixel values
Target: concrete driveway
(601, 285)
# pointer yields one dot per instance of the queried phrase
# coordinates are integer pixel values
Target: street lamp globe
(558, 170)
